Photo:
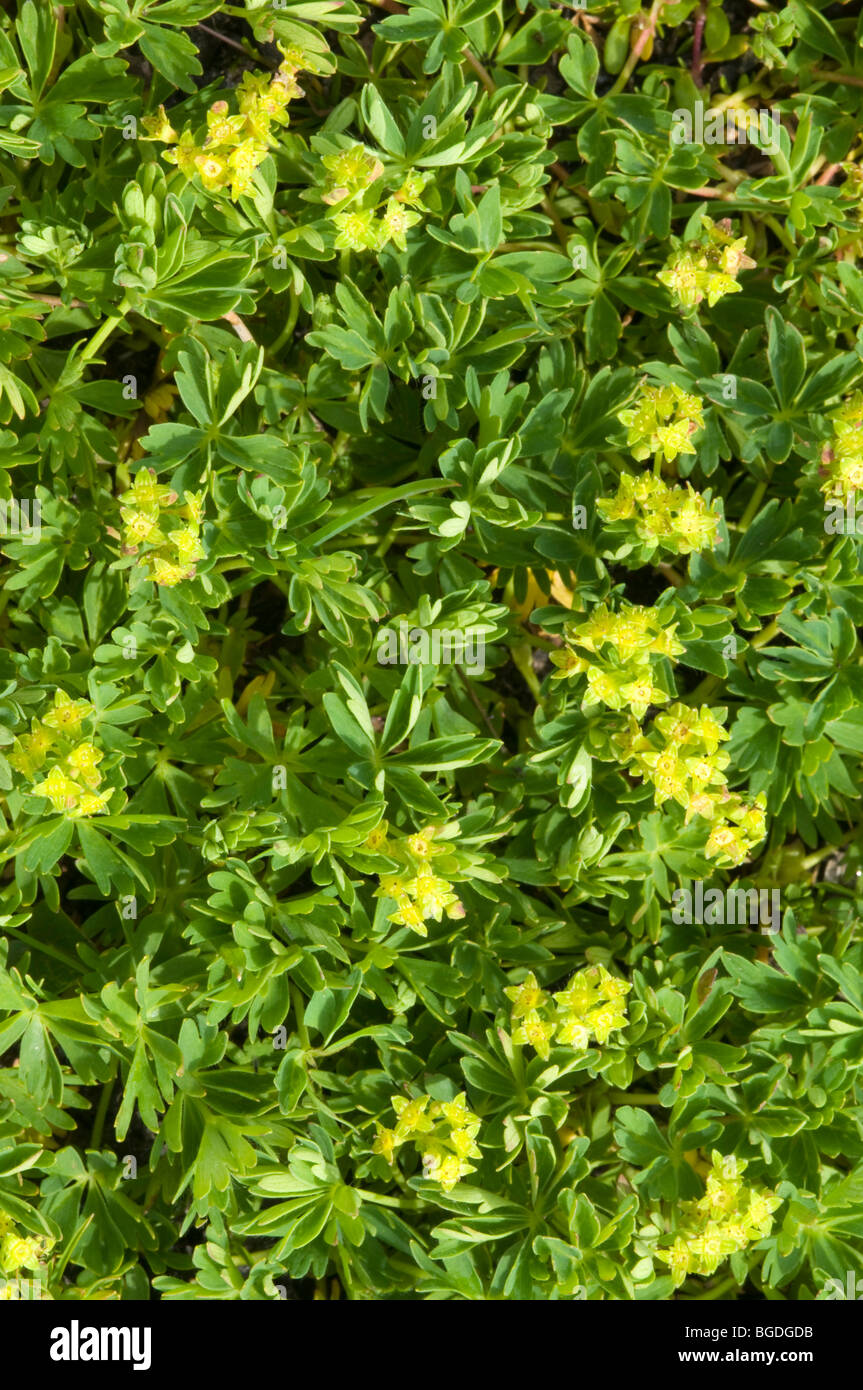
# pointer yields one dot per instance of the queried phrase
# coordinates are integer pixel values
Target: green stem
(754, 504)
(290, 325)
(670, 573)
(845, 77)
(765, 635)
(637, 49)
(703, 692)
(69, 1248)
(480, 71)
(812, 860)
(104, 332)
(234, 1276)
(559, 228)
(101, 1113)
(44, 948)
(299, 1010)
(780, 233)
(405, 1203)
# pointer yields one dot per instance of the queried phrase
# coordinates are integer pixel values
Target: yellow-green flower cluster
(592, 1006)
(842, 458)
(419, 893)
(169, 535)
(235, 144)
(681, 758)
(708, 267)
(350, 175)
(72, 782)
(676, 519)
(18, 1252)
(662, 422)
(680, 753)
(729, 1217)
(622, 645)
(443, 1133)
(350, 172)
(739, 827)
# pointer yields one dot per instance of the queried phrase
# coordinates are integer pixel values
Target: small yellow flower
(357, 231)
(434, 896)
(679, 1258)
(187, 544)
(158, 127)
(146, 493)
(611, 986)
(412, 187)
(391, 886)
(194, 506)
(420, 844)
(641, 693)
(720, 1197)
(222, 129)
(411, 1116)
(396, 222)
(457, 1113)
(536, 1032)
(376, 840)
(283, 88)
(58, 789)
(606, 1019)
(386, 1143)
(579, 996)
(662, 421)
(680, 275)
(90, 804)
(82, 763)
(448, 1171)
(710, 1247)
(166, 573)
(17, 1252)
(568, 664)
(572, 1032)
(443, 1132)
(717, 286)
(602, 689)
(762, 1205)
(185, 155)
(295, 58)
(526, 997)
(32, 749)
(67, 715)
(142, 528)
(665, 643)
(352, 170)
(242, 163)
(407, 914)
(213, 171)
(464, 1144)
(707, 266)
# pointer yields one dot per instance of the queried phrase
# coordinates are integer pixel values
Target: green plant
(416, 579)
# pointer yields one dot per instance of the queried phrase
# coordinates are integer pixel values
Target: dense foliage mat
(432, 704)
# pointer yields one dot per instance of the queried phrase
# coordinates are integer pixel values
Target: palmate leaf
(209, 284)
(16, 397)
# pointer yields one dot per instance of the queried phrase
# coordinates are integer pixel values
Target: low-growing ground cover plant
(430, 446)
